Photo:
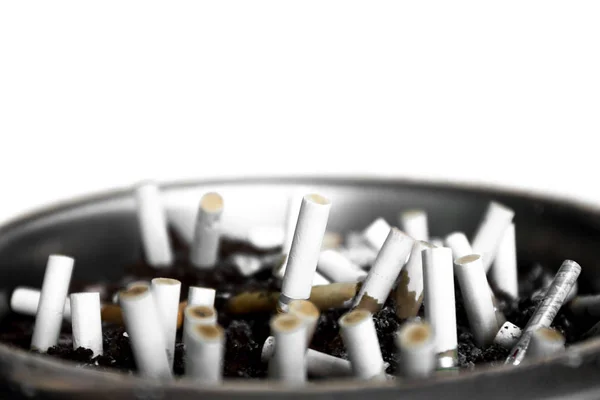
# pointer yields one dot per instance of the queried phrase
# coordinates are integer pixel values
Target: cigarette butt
(334, 295)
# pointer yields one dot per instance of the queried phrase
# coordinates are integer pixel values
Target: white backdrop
(94, 96)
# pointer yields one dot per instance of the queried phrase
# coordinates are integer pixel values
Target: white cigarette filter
(503, 273)
(477, 299)
(203, 315)
(416, 345)
(414, 224)
(318, 364)
(207, 234)
(545, 342)
(338, 268)
(166, 293)
(308, 313)
(436, 242)
(507, 335)
(204, 353)
(306, 247)
(376, 233)
(360, 338)
(382, 276)
(200, 296)
(288, 363)
(361, 254)
(461, 247)
(146, 335)
(409, 291)
(458, 242)
(87, 322)
(133, 284)
(490, 232)
(153, 225)
(49, 316)
(440, 307)
(25, 300)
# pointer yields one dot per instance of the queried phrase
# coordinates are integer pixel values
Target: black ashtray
(101, 233)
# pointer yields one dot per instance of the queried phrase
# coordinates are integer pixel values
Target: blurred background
(101, 95)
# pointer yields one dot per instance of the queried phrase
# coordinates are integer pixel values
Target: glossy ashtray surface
(102, 234)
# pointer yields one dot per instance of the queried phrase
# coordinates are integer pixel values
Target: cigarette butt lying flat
(334, 295)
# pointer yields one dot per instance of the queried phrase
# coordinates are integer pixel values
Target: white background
(103, 94)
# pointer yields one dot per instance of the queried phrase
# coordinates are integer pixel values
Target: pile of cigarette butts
(406, 264)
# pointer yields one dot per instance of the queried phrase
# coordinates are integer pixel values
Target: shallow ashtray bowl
(101, 233)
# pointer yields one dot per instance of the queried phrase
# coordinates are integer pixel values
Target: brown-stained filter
(354, 317)
(166, 281)
(285, 323)
(134, 291)
(212, 202)
(209, 332)
(304, 309)
(200, 312)
(415, 334)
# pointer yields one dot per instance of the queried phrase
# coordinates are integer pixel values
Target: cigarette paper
(204, 353)
(25, 300)
(409, 291)
(200, 296)
(153, 225)
(503, 273)
(440, 307)
(416, 345)
(362, 255)
(166, 293)
(336, 267)
(288, 363)
(545, 342)
(49, 316)
(414, 224)
(508, 335)
(490, 231)
(459, 244)
(306, 247)
(360, 338)
(293, 209)
(563, 282)
(207, 234)
(318, 364)
(376, 233)
(390, 260)
(86, 322)
(477, 299)
(146, 335)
